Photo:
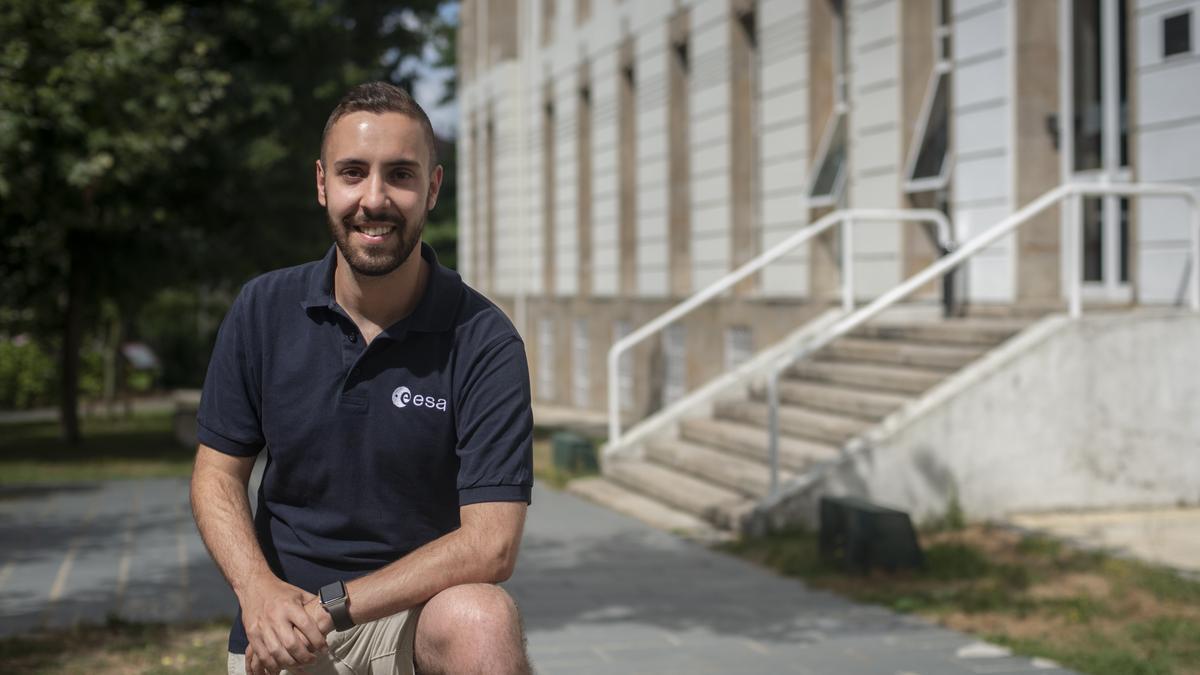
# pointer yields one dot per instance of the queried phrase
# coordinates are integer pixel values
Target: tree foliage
(150, 144)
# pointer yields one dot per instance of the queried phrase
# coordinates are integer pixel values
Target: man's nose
(375, 198)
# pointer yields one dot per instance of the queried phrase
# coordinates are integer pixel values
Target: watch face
(332, 592)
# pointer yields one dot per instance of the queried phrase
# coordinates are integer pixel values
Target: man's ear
(435, 186)
(320, 183)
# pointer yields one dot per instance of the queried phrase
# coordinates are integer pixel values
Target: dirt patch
(1072, 585)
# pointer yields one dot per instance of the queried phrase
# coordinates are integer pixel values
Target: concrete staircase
(703, 479)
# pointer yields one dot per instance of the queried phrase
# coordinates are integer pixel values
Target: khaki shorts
(380, 647)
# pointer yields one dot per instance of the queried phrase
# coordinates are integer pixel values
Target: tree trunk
(72, 338)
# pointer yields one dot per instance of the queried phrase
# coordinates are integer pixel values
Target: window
(928, 159)
(675, 352)
(546, 367)
(739, 346)
(1177, 34)
(830, 174)
(581, 367)
(928, 163)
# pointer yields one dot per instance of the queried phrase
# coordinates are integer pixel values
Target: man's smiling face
(377, 186)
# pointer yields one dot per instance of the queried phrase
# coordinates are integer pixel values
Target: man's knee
(470, 609)
(469, 625)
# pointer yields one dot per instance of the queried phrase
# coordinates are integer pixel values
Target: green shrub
(27, 375)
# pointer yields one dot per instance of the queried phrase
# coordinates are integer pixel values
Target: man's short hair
(379, 98)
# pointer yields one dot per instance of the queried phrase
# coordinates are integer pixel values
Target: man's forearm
(222, 512)
(483, 550)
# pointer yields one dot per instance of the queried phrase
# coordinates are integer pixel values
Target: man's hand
(281, 631)
(319, 615)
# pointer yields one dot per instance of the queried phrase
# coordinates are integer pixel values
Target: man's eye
(402, 174)
(352, 173)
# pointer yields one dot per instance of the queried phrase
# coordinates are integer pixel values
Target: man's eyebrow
(351, 161)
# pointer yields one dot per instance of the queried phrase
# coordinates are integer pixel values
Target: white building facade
(616, 157)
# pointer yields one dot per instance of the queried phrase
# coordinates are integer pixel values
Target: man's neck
(374, 303)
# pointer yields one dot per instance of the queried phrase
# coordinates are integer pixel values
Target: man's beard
(376, 260)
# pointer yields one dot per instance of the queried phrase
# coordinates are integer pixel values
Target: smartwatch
(335, 601)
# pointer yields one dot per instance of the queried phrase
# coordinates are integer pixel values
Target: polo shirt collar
(434, 313)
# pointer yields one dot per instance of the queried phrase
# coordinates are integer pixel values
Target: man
(393, 403)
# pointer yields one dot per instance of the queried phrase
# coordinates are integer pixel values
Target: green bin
(573, 453)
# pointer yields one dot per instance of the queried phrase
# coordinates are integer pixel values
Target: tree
(146, 144)
(98, 100)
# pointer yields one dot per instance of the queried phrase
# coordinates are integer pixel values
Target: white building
(619, 156)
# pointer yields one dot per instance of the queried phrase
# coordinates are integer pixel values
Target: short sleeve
(229, 416)
(494, 422)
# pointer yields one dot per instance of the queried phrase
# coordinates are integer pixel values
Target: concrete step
(717, 505)
(903, 380)
(863, 403)
(795, 454)
(737, 473)
(900, 353)
(796, 421)
(1026, 310)
(961, 332)
(650, 511)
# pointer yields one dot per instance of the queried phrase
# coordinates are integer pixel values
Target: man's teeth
(375, 231)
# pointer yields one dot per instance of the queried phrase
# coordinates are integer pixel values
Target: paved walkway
(601, 593)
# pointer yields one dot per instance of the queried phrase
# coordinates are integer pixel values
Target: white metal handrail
(1074, 191)
(847, 217)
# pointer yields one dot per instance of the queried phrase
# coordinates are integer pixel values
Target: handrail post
(1075, 254)
(773, 428)
(1194, 206)
(847, 264)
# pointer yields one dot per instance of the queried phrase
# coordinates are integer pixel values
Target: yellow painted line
(181, 532)
(64, 568)
(5, 573)
(127, 540)
(64, 571)
(755, 646)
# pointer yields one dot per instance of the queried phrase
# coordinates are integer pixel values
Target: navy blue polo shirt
(371, 449)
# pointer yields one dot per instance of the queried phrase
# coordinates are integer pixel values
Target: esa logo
(403, 396)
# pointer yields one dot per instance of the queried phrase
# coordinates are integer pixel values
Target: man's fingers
(290, 648)
(272, 657)
(254, 665)
(308, 629)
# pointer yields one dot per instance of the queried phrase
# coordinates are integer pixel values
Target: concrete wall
(1038, 424)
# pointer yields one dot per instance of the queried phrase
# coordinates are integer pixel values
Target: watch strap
(338, 605)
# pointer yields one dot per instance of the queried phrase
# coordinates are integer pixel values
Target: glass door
(1096, 137)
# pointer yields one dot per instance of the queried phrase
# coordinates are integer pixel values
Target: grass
(118, 648)
(140, 446)
(1086, 610)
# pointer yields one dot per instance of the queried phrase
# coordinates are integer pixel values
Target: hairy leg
(471, 629)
